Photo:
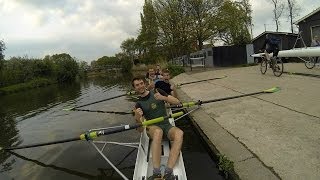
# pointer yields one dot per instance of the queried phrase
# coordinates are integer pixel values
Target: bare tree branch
(277, 12)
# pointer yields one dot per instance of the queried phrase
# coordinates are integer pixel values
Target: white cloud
(86, 29)
(89, 29)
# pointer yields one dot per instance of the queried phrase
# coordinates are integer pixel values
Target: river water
(36, 116)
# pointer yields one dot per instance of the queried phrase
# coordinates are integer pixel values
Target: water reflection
(104, 173)
(31, 112)
(9, 135)
(23, 105)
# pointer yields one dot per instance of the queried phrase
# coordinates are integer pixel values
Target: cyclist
(271, 45)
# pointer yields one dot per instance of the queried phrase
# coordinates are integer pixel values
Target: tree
(128, 46)
(174, 27)
(277, 12)
(146, 42)
(248, 11)
(2, 48)
(293, 11)
(203, 19)
(66, 68)
(107, 61)
(233, 21)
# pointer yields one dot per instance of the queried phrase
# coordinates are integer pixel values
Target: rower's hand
(139, 111)
(172, 87)
(158, 96)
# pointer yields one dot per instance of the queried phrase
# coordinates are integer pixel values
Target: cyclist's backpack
(274, 41)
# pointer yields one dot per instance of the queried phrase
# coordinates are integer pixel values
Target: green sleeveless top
(153, 108)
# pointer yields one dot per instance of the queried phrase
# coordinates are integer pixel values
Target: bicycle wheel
(277, 67)
(263, 65)
(309, 62)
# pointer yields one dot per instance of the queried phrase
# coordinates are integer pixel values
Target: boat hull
(144, 165)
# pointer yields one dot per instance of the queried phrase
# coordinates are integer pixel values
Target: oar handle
(159, 119)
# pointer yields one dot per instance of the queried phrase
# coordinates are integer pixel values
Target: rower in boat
(151, 104)
(165, 85)
(152, 78)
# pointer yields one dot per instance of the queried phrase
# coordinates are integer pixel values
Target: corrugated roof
(308, 15)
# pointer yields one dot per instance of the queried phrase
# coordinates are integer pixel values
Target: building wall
(305, 27)
(249, 48)
(224, 56)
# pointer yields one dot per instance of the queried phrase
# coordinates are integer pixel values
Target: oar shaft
(190, 104)
(100, 111)
(43, 144)
(100, 101)
(199, 81)
(231, 97)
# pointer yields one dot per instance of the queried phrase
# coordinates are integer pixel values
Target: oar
(94, 134)
(190, 104)
(100, 111)
(126, 94)
(181, 84)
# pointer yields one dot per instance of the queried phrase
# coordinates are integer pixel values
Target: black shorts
(275, 51)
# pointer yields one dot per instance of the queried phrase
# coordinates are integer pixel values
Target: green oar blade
(68, 109)
(272, 90)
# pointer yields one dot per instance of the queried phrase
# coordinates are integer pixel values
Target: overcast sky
(89, 29)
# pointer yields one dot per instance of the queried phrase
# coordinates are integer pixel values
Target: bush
(66, 68)
(175, 70)
(35, 83)
(126, 65)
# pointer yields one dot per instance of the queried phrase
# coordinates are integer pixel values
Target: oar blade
(68, 109)
(272, 90)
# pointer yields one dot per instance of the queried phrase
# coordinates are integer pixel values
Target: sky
(90, 29)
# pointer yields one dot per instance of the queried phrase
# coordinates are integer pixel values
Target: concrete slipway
(268, 136)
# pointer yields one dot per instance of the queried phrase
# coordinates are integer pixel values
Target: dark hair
(137, 78)
(165, 71)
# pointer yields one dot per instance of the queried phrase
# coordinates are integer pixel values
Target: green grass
(225, 165)
(35, 83)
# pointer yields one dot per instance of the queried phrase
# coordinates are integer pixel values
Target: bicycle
(311, 62)
(275, 63)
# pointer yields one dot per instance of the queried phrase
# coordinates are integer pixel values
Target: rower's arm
(161, 95)
(138, 117)
(172, 100)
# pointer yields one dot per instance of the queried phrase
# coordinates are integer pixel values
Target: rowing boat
(144, 166)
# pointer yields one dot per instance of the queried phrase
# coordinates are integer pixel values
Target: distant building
(310, 26)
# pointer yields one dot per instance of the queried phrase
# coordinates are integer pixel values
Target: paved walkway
(268, 136)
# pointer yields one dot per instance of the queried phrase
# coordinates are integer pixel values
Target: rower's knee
(178, 135)
(157, 135)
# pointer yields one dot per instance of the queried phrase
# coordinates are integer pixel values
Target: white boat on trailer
(296, 52)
